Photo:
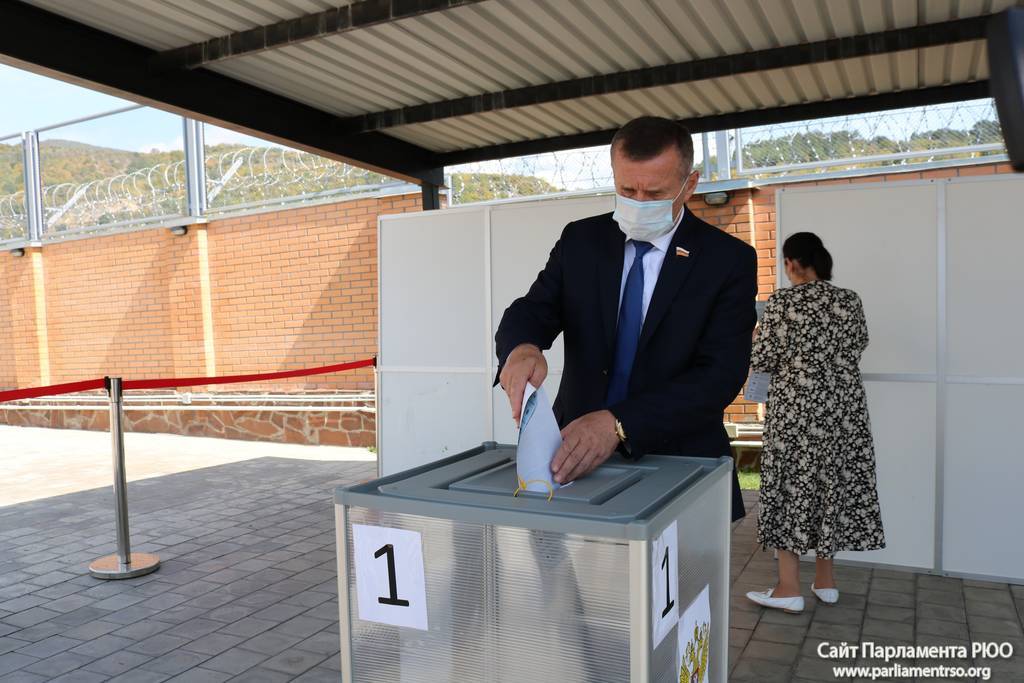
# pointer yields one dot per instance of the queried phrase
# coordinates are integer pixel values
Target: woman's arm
(769, 348)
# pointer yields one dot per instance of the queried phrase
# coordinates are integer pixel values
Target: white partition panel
(986, 244)
(984, 456)
(522, 236)
(903, 426)
(882, 238)
(432, 295)
(430, 415)
(984, 471)
(937, 265)
(446, 277)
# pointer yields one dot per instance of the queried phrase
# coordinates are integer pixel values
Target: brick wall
(259, 293)
(282, 290)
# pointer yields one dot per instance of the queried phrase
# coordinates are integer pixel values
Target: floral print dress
(818, 485)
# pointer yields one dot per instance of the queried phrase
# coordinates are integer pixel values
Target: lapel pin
(682, 252)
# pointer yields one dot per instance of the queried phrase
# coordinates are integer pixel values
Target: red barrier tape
(86, 385)
(67, 388)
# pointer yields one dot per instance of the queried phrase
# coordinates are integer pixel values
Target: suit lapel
(609, 274)
(673, 274)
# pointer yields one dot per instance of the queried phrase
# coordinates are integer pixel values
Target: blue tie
(627, 334)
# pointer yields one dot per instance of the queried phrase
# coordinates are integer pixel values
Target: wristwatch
(624, 447)
(619, 431)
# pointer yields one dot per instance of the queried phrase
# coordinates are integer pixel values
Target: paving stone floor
(883, 606)
(247, 588)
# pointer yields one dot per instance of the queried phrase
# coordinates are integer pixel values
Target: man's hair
(648, 136)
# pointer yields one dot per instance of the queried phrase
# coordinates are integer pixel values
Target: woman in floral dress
(818, 487)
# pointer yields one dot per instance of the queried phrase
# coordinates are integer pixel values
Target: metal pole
(739, 151)
(195, 167)
(33, 186)
(707, 156)
(125, 564)
(722, 154)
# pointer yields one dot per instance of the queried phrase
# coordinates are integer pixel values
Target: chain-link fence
(84, 187)
(87, 187)
(950, 134)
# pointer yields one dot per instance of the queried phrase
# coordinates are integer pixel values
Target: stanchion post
(125, 564)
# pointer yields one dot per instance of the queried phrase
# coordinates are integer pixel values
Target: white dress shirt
(653, 261)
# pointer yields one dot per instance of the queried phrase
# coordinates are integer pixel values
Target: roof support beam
(756, 117)
(335, 21)
(46, 43)
(896, 40)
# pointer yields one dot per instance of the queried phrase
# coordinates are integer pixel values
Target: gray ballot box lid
(621, 499)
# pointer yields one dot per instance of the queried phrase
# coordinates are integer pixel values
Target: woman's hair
(807, 249)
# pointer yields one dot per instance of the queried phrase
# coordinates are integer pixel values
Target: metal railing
(900, 140)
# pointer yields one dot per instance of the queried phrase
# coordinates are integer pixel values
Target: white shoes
(829, 596)
(793, 605)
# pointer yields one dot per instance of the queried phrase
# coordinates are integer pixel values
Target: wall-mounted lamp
(179, 230)
(716, 198)
(17, 252)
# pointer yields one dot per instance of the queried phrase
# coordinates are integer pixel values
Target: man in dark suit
(657, 311)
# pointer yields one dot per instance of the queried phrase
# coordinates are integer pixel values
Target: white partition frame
(971, 512)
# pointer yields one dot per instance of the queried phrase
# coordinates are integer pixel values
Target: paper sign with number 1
(664, 583)
(390, 585)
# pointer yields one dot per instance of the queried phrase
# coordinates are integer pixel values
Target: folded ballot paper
(539, 439)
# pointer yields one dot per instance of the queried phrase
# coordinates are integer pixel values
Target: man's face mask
(645, 221)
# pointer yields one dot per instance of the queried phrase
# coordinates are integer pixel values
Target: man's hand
(525, 364)
(587, 442)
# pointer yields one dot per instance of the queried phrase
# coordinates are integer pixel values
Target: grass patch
(749, 480)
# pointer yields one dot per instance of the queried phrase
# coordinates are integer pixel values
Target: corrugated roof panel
(932, 66)
(872, 15)
(324, 80)
(530, 29)
(904, 14)
(781, 27)
(938, 10)
(622, 29)
(484, 20)
(880, 68)
(712, 18)
(809, 17)
(660, 31)
(737, 91)
(395, 45)
(842, 18)
(505, 44)
(383, 82)
(257, 72)
(855, 76)
(602, 120)
(505, 68)
(688, 28)
(595, 38)
(747, 21)
(386, 76)
(906, 69)
(963, 62)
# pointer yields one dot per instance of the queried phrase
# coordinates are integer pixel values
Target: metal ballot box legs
(445, 576)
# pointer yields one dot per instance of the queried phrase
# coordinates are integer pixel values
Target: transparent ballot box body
(444, 575)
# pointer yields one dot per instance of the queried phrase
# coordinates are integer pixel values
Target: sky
(40, 101)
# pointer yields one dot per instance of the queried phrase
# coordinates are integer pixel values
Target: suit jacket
(694, 348)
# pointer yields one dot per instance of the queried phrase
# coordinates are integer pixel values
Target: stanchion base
(110, 567)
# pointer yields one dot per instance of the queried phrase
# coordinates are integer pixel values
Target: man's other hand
(525, 364)
(587, 442)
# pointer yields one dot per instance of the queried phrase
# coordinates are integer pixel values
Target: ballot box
(445, 575)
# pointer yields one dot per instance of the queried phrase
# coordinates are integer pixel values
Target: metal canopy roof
(409, 86)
